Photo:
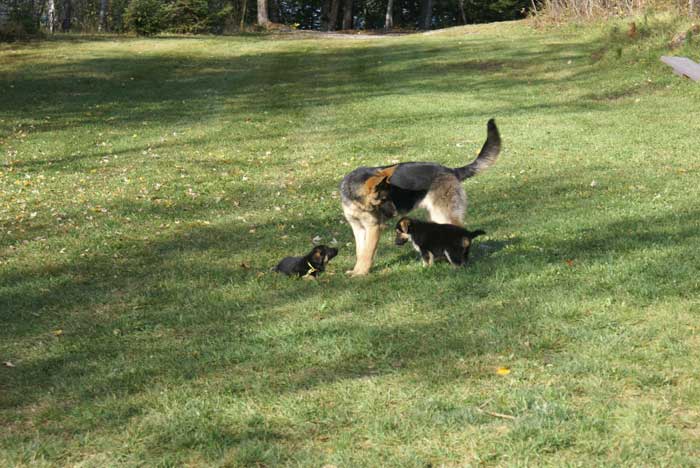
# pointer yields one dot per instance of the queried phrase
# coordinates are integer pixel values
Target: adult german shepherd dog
(372, 195)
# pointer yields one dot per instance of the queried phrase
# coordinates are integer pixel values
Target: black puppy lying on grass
(434, 240)
(308, 266)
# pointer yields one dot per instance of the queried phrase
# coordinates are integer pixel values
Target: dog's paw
(353, 273)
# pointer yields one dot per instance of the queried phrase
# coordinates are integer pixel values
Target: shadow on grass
(174, 89)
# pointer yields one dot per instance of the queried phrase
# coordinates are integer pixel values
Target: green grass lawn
(147, 187)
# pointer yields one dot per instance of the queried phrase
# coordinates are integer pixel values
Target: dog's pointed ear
(404, 223)
(379, 181)
(317, 255)
(383, 184)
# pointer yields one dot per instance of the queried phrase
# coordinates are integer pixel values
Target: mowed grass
(147, 187)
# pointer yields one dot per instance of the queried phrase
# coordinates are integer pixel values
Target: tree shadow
(120, 91)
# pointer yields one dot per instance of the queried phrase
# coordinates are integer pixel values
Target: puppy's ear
(404, 223)
(317, 255)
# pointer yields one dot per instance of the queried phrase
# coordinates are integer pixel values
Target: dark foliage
(21, 18)
(145, 17)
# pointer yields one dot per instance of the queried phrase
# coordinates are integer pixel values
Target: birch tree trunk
(243, 8)
(462, 16)
(389, 19)
(52, 15)
(263, 19)
(103, 15)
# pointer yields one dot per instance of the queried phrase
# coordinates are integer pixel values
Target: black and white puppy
(434, 240)
(309, 265)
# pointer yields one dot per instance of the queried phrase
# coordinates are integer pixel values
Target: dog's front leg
(366, 250)
(358, 232)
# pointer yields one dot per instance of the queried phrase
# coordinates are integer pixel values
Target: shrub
(145, 17)
(18, 21)
(188, 16)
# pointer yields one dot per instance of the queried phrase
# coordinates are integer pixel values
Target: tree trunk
(333, 15)
(275, 11)
(102, 27)
(52, 15)
(427, 14)
(325, 14)
(68, 13)
(389, 19)
(243, 12)
(462, 16)
(263, 19)
(347, 14)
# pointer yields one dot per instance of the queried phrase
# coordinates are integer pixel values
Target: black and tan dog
(433, 240)
(371, 195)
(309, 265)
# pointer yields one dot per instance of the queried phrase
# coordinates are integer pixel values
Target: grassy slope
(148, 185)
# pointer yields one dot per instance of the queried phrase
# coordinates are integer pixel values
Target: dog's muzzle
(388, 209)
(400, 240)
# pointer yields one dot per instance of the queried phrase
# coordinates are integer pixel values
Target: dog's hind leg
(455, 256)
(446, 201)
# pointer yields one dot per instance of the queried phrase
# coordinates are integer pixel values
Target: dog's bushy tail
(487, 156)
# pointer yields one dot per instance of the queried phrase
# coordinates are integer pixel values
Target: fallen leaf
(316, 239)
(245, 265)
(8, 364)
(503, 371)
(570, 262)
(57, 332)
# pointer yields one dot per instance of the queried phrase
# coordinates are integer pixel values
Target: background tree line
(29, 17)
(222, 16)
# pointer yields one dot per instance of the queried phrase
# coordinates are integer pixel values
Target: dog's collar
(312, 269)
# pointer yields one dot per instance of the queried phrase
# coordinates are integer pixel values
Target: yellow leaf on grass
(503, 371)
(57, 332)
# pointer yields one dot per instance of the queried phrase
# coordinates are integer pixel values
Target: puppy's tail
(466, 241)
(487, 156)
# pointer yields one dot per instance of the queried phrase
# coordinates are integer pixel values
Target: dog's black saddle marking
(405, 200)
(417, 176)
